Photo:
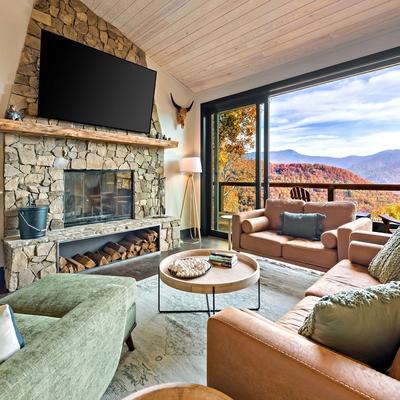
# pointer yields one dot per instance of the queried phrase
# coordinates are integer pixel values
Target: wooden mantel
(36, 129)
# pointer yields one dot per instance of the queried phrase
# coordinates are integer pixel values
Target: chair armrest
(237, 220)
(370, 237)
(362, 252)
(252, 358)
(344, 232)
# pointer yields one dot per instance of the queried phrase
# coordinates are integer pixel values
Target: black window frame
(262, 94)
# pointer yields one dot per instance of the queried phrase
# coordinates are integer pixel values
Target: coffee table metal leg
(208, 311)
(208, 306)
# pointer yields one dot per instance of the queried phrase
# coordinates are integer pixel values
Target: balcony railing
(331, 188)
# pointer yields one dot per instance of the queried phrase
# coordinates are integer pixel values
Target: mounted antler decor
(181, 112)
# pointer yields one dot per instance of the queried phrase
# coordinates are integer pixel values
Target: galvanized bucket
(32, 221)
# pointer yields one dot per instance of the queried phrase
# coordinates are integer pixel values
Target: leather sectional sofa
(266, 241)
(252, 358)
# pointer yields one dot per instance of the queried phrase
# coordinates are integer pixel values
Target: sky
(353, 116)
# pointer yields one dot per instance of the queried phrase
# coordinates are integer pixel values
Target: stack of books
(223, 259)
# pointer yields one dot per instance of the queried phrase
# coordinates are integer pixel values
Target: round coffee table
(178, 391)
(217, 280)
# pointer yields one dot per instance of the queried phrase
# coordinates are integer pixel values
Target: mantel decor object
(191, 166)
(13, 114)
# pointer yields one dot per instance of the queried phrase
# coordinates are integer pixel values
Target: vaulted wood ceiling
(205, 43)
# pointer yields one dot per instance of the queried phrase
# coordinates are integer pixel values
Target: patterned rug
(172, 347)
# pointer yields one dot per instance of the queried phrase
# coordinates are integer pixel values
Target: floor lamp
(191, 166)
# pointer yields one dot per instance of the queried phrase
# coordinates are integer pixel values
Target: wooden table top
(225, 280)
(178, 391)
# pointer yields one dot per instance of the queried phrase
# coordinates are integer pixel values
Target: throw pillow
(363, 324)
(385, 266)
(255, 224)
(10, 338)
(308, 226)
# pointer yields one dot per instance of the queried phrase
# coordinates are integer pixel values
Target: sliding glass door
(235, 144)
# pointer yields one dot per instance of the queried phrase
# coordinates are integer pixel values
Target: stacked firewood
(133, 245)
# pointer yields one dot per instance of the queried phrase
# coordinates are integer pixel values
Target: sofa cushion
(32, 326)
(329, 239)
(337, 212)
(361, 323)
(309, 252)
(307, 226)
(295, 318)
(255, 224)
(344, 275)
(394, 371)
(385, 266)
(266, 243)
(43, 296)
(274, 207)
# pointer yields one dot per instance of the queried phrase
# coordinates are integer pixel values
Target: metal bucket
(32, 221)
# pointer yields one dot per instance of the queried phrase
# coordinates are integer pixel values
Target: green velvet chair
(74, 327)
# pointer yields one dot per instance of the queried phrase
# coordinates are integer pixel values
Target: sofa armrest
(237, 220)
(370, 237)
(254, 359)
(344, 232)
(362, 253)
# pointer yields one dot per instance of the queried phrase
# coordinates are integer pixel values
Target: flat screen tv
(80, 84)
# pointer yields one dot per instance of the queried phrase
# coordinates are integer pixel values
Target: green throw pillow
(385, 266)
(363, 324)
(307, 226)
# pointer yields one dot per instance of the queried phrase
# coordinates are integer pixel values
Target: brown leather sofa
(252, 358)
(263, 237)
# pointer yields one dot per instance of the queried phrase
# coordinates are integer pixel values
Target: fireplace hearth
(93, 196)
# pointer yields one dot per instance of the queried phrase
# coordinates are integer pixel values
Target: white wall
(175, 183)
(14, 18)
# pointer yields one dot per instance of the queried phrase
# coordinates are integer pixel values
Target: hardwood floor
(147, 266)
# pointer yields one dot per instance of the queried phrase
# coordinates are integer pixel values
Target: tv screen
(81, 84)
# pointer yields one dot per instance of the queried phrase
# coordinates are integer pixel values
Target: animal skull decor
(181, 112)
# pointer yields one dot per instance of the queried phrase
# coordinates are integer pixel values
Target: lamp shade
(191, 164)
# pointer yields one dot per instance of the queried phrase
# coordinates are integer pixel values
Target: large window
(335, 131)
(346, 131)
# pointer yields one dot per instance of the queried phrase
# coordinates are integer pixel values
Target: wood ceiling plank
(250, 33)
(157, 16)
(315, 29)
(202, 20)
(351, 35)
(117, 9)
(163, 26)
(138, 13)
(176, 29)
(217, 29)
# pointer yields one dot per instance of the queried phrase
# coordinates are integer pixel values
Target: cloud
(357, 115)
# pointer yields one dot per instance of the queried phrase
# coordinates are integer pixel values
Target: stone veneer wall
(35, 165)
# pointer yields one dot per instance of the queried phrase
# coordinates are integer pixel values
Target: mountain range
(382, 167)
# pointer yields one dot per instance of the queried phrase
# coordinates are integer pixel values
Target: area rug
(172, 347)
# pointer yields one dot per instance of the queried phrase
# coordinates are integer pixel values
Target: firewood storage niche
(101, 251)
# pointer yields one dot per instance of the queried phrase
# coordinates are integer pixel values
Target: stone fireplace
(97, 196)
(37, 165)
(96, 181)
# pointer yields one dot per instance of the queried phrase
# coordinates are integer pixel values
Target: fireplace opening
(97, 196)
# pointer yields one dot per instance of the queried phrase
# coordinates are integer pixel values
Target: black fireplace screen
(96, 196)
